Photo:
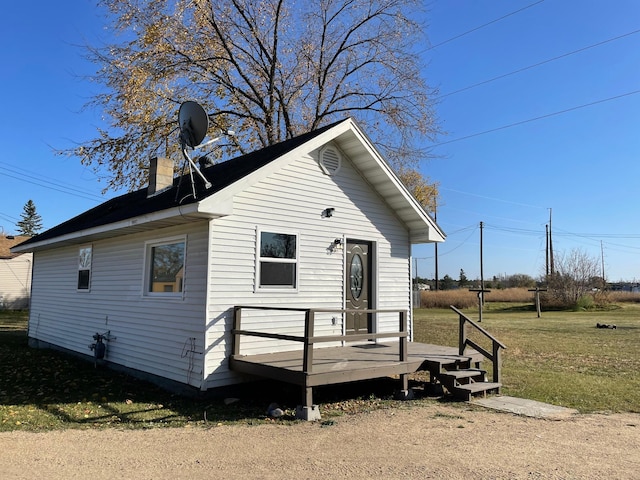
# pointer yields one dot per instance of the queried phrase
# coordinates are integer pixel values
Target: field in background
(463, 298)
(560, 358)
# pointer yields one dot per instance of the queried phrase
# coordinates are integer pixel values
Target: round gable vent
(330, 160)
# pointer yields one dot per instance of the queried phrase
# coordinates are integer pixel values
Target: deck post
(307, 362)
(403, 339)
(307, 399)
(404, 393)
(308, 411)
(462, 332)
(235, 337)
(497, 363)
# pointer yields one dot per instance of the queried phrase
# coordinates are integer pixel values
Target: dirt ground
(438, 441)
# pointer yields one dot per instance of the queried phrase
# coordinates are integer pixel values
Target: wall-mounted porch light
(327, 212)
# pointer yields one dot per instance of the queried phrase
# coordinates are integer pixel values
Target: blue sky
(495, 164)
(583, 164)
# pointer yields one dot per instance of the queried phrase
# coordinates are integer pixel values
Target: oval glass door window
(357, 276)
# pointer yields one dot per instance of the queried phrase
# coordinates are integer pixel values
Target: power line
(481, 26)
(461, 244)
(520, 231)
(59, 188)
(39, 178)
(515, 124)
(599, 235)
(490, 198)
(536, 65)
(564, 233)
(9, 218)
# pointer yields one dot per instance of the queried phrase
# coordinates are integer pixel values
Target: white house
(318, 221)
(15, 274)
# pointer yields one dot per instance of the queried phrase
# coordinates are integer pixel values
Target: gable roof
(8, 241)
(135, 211)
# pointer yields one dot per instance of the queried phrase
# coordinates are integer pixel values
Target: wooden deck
(350, 363)
(363, 356)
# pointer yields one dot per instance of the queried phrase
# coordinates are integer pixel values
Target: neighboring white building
(312, 222)
(15, 274)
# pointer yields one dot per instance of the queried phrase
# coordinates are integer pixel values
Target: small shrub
(585, 302)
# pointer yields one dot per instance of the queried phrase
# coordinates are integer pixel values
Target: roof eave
(422, 228)
(160, 219)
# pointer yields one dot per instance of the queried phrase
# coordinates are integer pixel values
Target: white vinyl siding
(15, 281)
(292, 199)
(149, 333)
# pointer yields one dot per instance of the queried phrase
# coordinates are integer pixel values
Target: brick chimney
(160, 175)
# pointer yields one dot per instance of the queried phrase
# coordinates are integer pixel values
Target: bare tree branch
(271, 69)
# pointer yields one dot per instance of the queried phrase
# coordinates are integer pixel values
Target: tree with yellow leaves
(268, 69)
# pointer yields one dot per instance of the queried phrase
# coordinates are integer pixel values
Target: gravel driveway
(436, 441)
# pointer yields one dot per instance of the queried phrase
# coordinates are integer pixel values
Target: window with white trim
(84, 267)
(164, 267)
(277, 260)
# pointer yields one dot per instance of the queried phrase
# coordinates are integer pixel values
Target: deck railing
(309, 339)
(464, 341)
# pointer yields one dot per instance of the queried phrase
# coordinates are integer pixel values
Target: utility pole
(435, 244)
(604, 282)
(481, 263)
(546, 228)
(551, 245)
(481, 291)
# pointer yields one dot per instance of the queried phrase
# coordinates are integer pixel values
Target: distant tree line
(518, 280)
(577, 282)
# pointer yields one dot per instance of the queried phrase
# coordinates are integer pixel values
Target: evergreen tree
(31, 222)
(463, 280)
(447, 283)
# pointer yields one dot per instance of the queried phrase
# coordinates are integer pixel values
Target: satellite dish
(194, 123)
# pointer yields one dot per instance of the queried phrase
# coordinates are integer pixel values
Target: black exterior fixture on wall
(328, 212)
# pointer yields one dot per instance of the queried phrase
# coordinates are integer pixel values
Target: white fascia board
(432, 233)
(193, 210)
(425, 236)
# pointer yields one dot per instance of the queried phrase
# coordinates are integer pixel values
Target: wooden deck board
(349, 363)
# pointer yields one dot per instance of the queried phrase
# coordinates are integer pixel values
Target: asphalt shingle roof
(8, 241)
(137, 203)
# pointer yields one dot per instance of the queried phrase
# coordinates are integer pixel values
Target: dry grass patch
(624, 297)
(463, 298)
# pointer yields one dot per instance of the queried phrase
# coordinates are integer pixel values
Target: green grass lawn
(43, 389)
(560, 358)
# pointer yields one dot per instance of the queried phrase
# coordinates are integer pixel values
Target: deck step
(468, 390)
(464, 373)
